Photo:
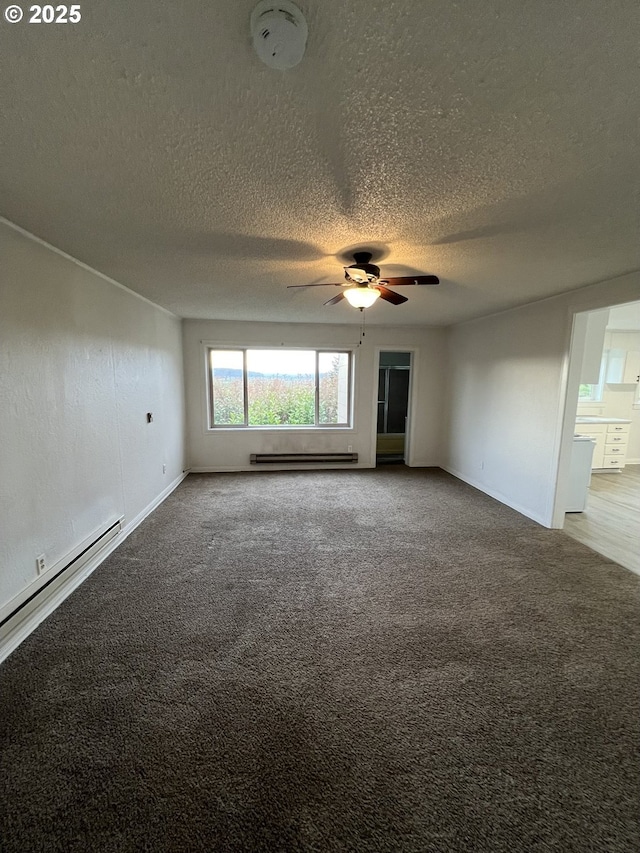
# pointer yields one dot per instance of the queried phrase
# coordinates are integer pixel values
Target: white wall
(512, 399)
(83, 361)
(223, 450)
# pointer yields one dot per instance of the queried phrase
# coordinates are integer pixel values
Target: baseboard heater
(301, 458)
(56, 576)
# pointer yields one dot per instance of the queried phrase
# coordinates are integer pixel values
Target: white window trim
(210, 428)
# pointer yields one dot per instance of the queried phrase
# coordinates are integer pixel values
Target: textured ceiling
(494, 144)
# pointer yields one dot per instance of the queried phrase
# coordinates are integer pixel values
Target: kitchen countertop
(597, 420)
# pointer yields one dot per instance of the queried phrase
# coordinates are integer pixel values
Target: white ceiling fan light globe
(361, 297)
(279, 32)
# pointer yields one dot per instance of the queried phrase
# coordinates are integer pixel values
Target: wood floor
(611, 522)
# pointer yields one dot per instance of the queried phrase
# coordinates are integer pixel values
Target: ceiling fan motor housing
(362, 272)
(279, 32)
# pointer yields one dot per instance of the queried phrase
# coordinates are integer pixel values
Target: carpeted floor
(330, 661)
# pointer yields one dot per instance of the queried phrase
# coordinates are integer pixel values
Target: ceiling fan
(363, 285)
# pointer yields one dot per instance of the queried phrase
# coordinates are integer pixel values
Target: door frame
(411, 407)
(568, 403)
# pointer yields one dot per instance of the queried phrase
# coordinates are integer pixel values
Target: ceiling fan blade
(411, 279)
(390, 296)
(324, 284)
(334, 300)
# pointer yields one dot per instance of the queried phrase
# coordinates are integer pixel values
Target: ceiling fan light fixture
(361, 297)
(364, 285)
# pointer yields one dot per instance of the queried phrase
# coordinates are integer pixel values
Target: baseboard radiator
(44, 588)
(301, 458)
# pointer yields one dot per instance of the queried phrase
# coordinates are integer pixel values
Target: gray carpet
(330, 661)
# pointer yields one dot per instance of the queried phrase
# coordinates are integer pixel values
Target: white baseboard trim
(61, 588)
(259, 469)
(131, 526)
(497, 495)
(230, 469)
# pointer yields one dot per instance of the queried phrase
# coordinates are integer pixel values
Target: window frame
(211, 426)
(596, 394)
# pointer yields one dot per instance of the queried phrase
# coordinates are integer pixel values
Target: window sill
(276, 430)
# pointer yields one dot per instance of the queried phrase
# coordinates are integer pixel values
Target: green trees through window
(263, 387)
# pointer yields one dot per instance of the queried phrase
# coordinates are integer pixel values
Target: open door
(394, 377)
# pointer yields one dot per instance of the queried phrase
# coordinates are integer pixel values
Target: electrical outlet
(350, 448)
(41, 566)
(164, 469)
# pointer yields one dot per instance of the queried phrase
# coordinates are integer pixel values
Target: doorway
(394, 380)
(601, 409)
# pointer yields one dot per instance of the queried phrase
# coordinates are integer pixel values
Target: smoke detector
(279, 33)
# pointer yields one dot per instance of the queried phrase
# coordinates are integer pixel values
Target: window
(279, 388)
(589, 393)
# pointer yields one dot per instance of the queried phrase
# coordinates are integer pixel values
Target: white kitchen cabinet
(623, 367)
(611, 440)
(614, 462)
(617, 428)
(615, 448)
(631, 372)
